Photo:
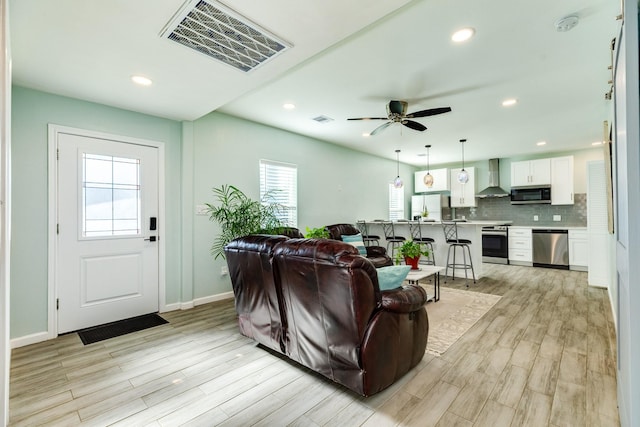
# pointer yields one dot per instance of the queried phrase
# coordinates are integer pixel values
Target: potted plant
(425, 212)
(238, 215)
(317, 233)
(410, 251)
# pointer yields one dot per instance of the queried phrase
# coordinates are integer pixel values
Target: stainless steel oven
(495, 244)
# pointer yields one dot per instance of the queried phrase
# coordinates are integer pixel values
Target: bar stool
(367, 238)
(416, 235)
(450, 229)
(391, 237)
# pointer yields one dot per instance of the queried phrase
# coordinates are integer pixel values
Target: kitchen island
(470, 230)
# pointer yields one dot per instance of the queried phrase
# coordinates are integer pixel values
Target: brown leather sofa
(376, 254)
(318, 302)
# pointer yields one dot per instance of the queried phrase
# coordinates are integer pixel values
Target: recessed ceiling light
(141, 80)
(288, 106)
(597, 143)
(463, 35)
(509, 102)
(541, 143)
(366, 134)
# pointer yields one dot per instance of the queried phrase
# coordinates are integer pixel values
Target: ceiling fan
(397, 113)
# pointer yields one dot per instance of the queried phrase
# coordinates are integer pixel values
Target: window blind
(279, 184)
(396, 203)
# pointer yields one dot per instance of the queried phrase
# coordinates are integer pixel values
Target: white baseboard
(198, 301)
(170, 307)
(213, 298)
(30, 339)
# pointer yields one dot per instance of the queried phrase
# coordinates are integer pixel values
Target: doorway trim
(53, 131)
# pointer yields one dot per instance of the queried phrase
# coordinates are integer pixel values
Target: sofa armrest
(375, 251)
(406, 299)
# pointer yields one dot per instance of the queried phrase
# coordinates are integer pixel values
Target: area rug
(121, 327)
(452, 316)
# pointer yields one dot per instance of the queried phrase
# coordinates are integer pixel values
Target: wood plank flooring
(543, 356)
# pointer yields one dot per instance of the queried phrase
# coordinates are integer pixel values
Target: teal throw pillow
(392, 277)
(355, 240)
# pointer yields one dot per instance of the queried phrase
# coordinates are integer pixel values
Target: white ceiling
(349, 58)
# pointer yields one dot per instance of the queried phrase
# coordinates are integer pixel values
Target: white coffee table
(423, 272)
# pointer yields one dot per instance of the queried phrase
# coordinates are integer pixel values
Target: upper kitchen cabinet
(463, 195)
(531, 172)
(440, 181)
(562, 180)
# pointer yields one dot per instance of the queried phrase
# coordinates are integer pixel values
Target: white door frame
(54, 130)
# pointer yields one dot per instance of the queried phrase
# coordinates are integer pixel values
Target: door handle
(152, 239)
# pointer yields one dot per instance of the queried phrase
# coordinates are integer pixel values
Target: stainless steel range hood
(493, 190)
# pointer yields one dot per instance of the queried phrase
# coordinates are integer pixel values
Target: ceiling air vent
(219, 32)
(322, 119)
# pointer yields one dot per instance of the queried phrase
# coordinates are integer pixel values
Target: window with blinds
(396, 203)
(279, 184)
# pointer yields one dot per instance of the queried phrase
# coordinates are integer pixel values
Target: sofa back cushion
(256, 295)
(329, 295)
(336, 231)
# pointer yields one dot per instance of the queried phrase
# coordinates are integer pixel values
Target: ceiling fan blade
(414, 125)
(429, 112)
(380, 128)
(370, 118)
(397, 107)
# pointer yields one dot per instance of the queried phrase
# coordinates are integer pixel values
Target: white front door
(107, 263)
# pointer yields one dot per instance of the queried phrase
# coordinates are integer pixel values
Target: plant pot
(413, 262)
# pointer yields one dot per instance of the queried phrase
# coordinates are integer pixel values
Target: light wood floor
(544, 355)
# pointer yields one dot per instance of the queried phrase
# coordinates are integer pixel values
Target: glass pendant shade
(428, 178)
(397, 183)
(463, 176)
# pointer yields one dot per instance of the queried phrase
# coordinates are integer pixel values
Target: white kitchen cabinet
(578, 249)
(531, 172)
(520, 246)
(562, 180)
(440, 181)
(463, 195)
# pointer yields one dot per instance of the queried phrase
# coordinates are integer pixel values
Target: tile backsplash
(500, 208)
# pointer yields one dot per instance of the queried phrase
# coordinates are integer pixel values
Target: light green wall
(335, 184)
(32, 111)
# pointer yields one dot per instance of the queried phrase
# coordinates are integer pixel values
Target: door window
(110, 196)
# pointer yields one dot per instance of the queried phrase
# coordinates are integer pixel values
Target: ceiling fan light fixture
(463, 175)
(463, 34)
(397, 183)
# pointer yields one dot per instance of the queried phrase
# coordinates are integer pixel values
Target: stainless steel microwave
(530, 195)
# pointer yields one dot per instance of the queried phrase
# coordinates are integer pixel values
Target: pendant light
(463, 176)
(428, 178)
(397, 183)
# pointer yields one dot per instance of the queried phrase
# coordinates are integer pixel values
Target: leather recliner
(333, 317)
(376, 254)
(257, 298)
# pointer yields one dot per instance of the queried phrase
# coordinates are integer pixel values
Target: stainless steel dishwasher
(550, 248)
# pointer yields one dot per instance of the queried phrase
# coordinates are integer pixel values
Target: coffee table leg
(436, 287)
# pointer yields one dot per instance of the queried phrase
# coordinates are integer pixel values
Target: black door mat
(121, 327)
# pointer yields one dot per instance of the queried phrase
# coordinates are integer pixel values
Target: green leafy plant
(410, 249)
(238, 215)
(317, 233)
